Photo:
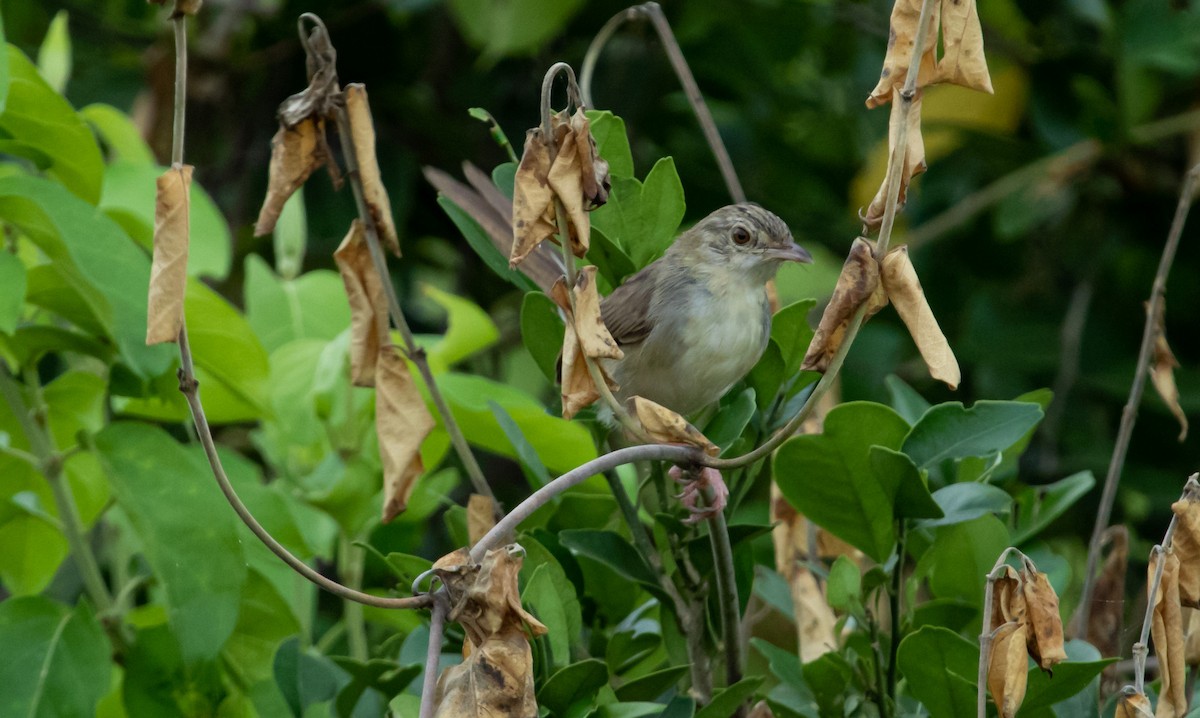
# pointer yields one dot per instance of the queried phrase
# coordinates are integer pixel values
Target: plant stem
(350, 570)
(894, 608)
(433, 655)
(179, 23)
(1129, 414)
(727, 595)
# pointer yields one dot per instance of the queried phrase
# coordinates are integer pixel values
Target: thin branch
(654, 13)
(433, 655)
(894, 606)
(986, 635)
(179, 21)
(1129, 414)
(727, 595)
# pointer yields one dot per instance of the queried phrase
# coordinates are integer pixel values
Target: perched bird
(695, 321)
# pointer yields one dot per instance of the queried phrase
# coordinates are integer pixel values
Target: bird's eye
(740, 235)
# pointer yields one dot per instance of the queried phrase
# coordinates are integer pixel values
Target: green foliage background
(207, 622)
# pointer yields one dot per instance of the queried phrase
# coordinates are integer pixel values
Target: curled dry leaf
(585, 337)
(1191, 637)
(1008, 600)
(1162, 372)
(667, 427)
(533, 199)
(1166, 629)
(793, 536)
(401, 423)
(362, 137)
(481, 517)
(496, 678)
(168, 273)
(963, 61)
(858, 284)
(296, 152)
(761, 710)
(1132, 704)
(1185, 544)
(914, 158)
(368, 305)
(594, 337)
(902, 37)
(1008, 671)
(904, 290)
(1045, 637)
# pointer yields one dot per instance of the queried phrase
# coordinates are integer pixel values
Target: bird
(695, 321)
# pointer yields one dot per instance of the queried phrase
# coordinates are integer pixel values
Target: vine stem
(433, 655)
(1129, 413)
(727, 595)
(986, 634)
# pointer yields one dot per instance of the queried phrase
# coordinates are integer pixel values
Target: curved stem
(727, 596)
(437, 628)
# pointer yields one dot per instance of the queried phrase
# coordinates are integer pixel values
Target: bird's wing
(626, 312)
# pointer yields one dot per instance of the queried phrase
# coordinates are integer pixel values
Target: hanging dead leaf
(1191, 637)
(904, 290)
(1008, 670)
(533, 198)
(362, 137)
(401, 423)
(481, 517)
(1133, 705)
(585, 336)
(1186, 546)
(1008, 599)
(914, 159)
(963, 61)
(594, 337)
(667, 427)
(1106, 619)
(368, 305)
(296, 152)
(1045, 638)
(1166, 629)
(496, 678)
(902, 38)
(792, 535)
(168, 273)
(858, 284)
(579, 177)
(1162, 371)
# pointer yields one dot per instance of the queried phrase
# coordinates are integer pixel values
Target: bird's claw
(698, 483)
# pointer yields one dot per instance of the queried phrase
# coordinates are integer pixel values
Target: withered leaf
(296, 152)
(963, 61)
(496, 677)
(902, 37)
(362, 136)
(1186, 546)
(594, 337)
(1166, 630)
(1191, 637)
(1107, 616)
(1133, 705)
(667, 427)
(401, 423)
(1045, 637)
(914, 159)
(168, 273)
(858, 284)
(585, 336)
(1008, 599)
(904, 290)
(533, 198)
(1162, 372)
(1008, 671)
(815, 621)
(368, 305)
(481, 517)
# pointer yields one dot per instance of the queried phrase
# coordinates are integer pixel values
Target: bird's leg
(698, 482)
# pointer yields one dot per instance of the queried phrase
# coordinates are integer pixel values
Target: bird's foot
(704, 494)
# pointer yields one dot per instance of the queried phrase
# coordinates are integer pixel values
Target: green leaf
(1038, 506)
(511, 28)
(612, 261)
(936, 663)
(189, 533)
(729, 422)
(652, 685)
(901, 477)
(726, 701)
(265, 620)
(829, 678)
(306, 678)
(289, 239)
(482, 244)
(576, 682)
(642, 217)
(44, 126)
(56, 661)
(54, 56)
(12, 291)
(4, 74)
(611, 142)
(118, 132)
(679, 707)
(1070, 678)
(844, 587)
(60, 288)
(767, 375)
(541, 595)
(905, 400)
(369, 681)
(538, 558)
(528, 457)
(963, 502)
(829, 477)
(790, 330)
(469, 330)
(612, 550)
(128, 198)
(962, 555)
(950, 431)
(542, 332)
(312, 306)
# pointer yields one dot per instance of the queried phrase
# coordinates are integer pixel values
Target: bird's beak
(790, 253)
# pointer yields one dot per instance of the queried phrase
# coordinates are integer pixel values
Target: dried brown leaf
(585, 336)
(1008, 600)
(296, 152)
(1045, 639)
(1008, 670)
(914, 159)
(1162, 372)
(904, 290)
(533, 198)
(1191, 637)
(963, 61)
(595, 179)
(1166, 629)
(496, 678)
(1133, 705)
(594, 337)
(816, 623)
(368, 305)
(902, 37)
(401, 423)
(857, 284)
(362, 137)
(1106, 619)
(667, 427)
(168, 273)
(481, 517)
(1185, 544)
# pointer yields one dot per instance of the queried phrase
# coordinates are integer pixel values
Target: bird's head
(740, 240)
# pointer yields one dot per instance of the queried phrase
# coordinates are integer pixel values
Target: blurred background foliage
(1036, 230)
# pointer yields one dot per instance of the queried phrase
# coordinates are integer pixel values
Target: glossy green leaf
(34, 546)
(45, 128)
(576, 682)
(542, 332)
(56, 661)
(829, 477)
(542, 596)
(844, 585)
(370, 682)
(939, 667)
(1069, 678)
(1038, 506)
(612, 550)
(642, 217)
(901, 478)
(652, 685)
(613, 262)
(829, 678)
(312, 306)
(289, 239)
(12, 291)
(963, 502)
(726, 701)
(59, 287)
(962, 555)
(54, 55)
(469, 330)
(189, 534)
(482, 244)
(731, 419)
(306, 678)
(612, 142)
(679, 707)
(118, 133)
(905, 399)
(128, 198)
(767, 375)
(951, 431)
(530, 461)
(790, 330)
(265, 620)
(512, 28)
